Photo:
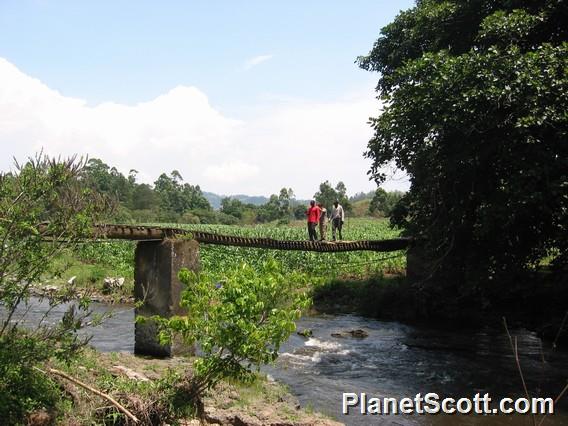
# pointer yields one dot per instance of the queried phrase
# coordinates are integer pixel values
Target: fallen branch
(560, 330)
(515, 349)
(560, 395)
(93, 390)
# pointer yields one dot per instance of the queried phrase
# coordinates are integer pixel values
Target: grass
(162, 398)
(91, 264)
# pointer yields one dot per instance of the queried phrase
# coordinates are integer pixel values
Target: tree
(177, 198)
(383, 202)
(300, 212)
(44, 209)
(107, 180)
(233, 207)
(327, 195)
(474, 110)
(270, 210)
(284, 199)
(144, 197)
(342, 197)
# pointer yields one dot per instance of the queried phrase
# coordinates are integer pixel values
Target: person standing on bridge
(313, 214)
(322, 222)
(337, 219)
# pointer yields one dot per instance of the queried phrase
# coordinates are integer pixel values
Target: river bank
(535, 302)
(153, 391)
(389, 359)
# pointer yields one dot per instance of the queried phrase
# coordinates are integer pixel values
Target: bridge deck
(149, 233)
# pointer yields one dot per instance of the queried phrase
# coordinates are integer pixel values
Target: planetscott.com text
(432, 403)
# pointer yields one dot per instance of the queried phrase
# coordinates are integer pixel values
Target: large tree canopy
(475, 110)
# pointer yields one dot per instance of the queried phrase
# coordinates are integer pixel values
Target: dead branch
(93, 390)
(560, 330)
(515, 349)
(560, 395)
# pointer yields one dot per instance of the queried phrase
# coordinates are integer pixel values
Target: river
(394, 360)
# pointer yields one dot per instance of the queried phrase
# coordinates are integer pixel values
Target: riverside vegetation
(474, 111)
(93, 261)
(39, 362)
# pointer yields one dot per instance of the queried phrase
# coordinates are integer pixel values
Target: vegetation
(117, 257)
(172, 200)
(44, 209)
(327, 195)
(324, 265)
(474, 97)
(384, 202)
(240, 316)
(162, 395)
(378, 296)
(239, 320)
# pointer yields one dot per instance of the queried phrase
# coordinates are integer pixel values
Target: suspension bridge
(162, 251)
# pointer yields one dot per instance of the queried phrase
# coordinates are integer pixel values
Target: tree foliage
(170, 199)
(45, 208)
(474, 100)
(239, 320)
(384, 202)
(327, 195)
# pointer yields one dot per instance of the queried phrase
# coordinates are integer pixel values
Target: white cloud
(296, 144)
(252, 62)
(231, 172)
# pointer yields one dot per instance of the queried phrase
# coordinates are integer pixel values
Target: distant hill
(215, 199)
(257, 200)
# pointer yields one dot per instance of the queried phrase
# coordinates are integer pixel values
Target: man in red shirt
(313, 214)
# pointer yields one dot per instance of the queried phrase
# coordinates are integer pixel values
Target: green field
(117, 257)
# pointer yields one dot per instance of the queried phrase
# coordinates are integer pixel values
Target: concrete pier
(156, 283)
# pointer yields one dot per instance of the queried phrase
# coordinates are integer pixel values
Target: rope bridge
(161, 252)
(155, 233)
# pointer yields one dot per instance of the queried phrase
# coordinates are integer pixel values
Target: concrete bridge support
(156, 283)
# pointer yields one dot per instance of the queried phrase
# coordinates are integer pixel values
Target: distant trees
(179, 197)
(278, 207)
(327, 195)
(170, 199)
(383, 202)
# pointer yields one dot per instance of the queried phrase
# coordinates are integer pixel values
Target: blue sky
(257, 72)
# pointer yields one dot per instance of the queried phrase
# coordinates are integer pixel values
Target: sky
(241, 97)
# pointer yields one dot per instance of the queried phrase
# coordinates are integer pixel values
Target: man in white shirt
(337, 219)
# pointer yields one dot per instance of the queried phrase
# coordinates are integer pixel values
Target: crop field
(120, 254)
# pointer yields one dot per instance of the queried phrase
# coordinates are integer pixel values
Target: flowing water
(394, 360)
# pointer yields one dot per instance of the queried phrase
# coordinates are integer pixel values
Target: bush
(23, 386)
(239, 320)
(189, 218)
(144, 215)
(44, 212)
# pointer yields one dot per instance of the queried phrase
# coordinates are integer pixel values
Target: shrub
(44, 211)
(239, 320)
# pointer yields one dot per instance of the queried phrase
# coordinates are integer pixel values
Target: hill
(215, 199)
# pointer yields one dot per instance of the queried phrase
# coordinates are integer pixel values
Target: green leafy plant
(44, 210)
(474, 111)
(239, 319)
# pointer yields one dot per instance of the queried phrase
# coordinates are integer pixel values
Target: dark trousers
(312, 233)
(336, 225)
